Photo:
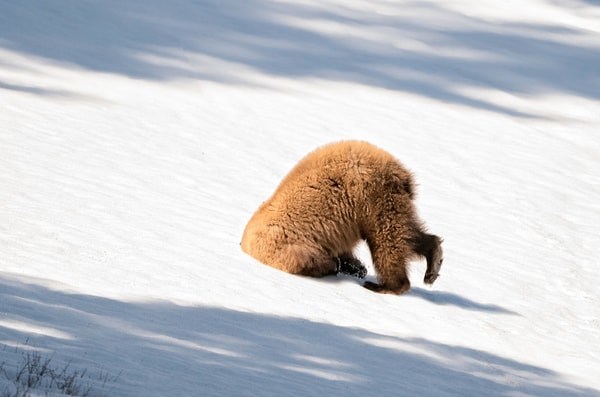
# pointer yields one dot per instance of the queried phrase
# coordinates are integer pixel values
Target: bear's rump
(271, 245)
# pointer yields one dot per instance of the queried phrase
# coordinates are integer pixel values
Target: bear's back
(348, 161)
(344, 156)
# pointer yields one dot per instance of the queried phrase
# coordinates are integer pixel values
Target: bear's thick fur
(332, 199)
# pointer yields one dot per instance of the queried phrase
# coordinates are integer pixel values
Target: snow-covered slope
(137, 138)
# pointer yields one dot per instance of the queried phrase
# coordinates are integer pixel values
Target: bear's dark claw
(352, 267)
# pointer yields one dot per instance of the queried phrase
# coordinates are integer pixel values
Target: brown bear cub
(332, 199)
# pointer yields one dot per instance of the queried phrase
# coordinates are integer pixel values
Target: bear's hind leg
(305, 260)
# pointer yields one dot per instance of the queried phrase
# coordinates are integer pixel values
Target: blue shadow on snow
(164, 349)
(181, 39)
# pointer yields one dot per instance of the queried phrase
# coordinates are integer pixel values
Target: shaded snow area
(137, 138)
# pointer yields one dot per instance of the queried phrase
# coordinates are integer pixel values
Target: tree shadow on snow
(422, 48)
(165, 349)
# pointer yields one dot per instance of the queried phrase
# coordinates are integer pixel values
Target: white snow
(137, 138)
